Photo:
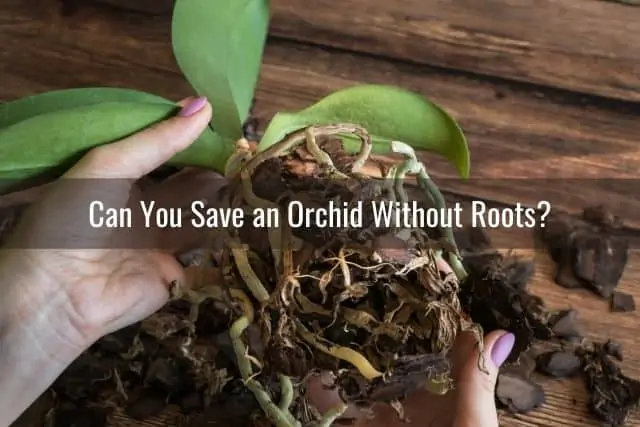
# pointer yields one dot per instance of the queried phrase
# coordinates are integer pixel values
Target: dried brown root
(369, 314)
(197, 296)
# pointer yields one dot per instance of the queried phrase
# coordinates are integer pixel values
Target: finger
(463, 349)
(146, 291)
(476, 398)
(145, 151)
(27, 196)
(203, 186)
(168, 272)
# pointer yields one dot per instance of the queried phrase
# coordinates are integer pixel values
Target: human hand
(470, 404)
(93, 281)
(66, 283)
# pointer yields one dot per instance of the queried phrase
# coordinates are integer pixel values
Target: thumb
(141, 153)
(476, 399)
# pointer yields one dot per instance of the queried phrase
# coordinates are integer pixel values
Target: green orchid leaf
(50, 143)
(218, 46)
(388, 113)
(48, 102)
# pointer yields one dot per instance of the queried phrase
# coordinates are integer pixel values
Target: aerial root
(278, 416)
(286, 391)
(247, 273)
(413, 166)
(332, 415)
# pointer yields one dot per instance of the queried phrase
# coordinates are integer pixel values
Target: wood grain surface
(577, 45)
(496, 65)
(525, 144)
(585, 46)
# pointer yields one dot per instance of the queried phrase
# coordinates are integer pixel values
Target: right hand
(470, 404)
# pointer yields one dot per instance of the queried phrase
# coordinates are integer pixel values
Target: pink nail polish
(502, 348)
(193, 107)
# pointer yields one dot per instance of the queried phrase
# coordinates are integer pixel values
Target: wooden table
(543, 89)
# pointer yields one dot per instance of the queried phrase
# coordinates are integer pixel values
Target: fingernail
(193, 107)
(502, 348)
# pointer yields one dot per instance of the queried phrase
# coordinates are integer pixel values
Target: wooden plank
(44, 51)
(526, 145)
(581, 46)
(585, 46)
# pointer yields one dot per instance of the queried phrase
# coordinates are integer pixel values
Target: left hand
(89, 280)
(66, 283)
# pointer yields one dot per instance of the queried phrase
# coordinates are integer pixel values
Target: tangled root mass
(377, 306)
